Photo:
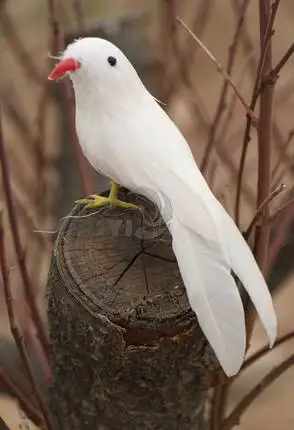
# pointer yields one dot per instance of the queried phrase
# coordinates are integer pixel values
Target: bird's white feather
(212, 294)
(127, 136)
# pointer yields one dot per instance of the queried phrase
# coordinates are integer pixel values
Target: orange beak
(64, 66)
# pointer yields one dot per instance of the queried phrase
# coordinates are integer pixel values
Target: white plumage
(126, 136)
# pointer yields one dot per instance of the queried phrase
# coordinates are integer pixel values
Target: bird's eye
(112, 61)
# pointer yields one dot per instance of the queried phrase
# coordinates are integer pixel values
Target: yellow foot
(96, 201)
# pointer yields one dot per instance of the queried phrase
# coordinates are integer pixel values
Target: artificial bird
(128, 137)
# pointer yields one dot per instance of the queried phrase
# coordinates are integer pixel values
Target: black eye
(112, 61)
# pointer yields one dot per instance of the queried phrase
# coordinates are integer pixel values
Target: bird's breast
(111, 151)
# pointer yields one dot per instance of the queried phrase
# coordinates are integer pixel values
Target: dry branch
(29, 409)
(267, 15)
(224, 91)
(234, 417)
(57, 45)
(265, 42)
(28, 289)
(265, 350)
(182, 63)
(260, 211)
(16, 45)
(3, 425)
(222, 70)
(16, 332)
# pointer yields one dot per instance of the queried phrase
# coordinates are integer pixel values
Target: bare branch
(15, 330)
(271, 218)
(57, 47)
(29, 409)
(279, 237)
(282, 153)
(222, 99)
(266, 350)
(222, 70)
(274, 74)
(28, 290)
(3, 425)
(265, 42)
(234, 417)
(260, 211)
(267, 13)
(16, 45)
(195, 99)
(79, 13)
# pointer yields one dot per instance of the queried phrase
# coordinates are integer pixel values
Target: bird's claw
(96, 201)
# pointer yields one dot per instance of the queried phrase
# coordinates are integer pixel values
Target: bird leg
(96, 201)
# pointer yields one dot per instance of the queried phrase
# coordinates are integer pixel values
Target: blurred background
(47, 173)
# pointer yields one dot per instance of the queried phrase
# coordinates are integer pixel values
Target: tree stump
(127, 352)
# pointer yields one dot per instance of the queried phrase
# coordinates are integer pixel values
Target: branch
(262, 233)
(265, 350)
(15, 330)
(279, 237)
(284, 149)
(220, 140)
(234, 417)
(16, 44)
(260, 211)
(265, 41)
(195, 99)
(30, 411)
(222, 99)
(79, 13)
(271, 218)
(3, 425)
(28, 290)
(57, 47)
(274, 74)
(222, 70)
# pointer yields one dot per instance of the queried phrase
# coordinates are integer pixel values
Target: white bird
(127, 136)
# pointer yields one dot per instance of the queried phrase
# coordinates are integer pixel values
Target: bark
(127, 352)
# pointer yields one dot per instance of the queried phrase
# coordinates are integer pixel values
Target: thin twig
(266, 350)
(249, 47)
(29, 409)
(222, 70)
(79, 13)
(16, 45)
(195, 100)
(234, 417)
(224, 91)
(278, 239)
(271, 218)
(16, 333)
(57, 47)
(220, 147)
(274, 73)
(3, 425)
(260, 211)
(28, 290)
(283, 153)
(265, 42)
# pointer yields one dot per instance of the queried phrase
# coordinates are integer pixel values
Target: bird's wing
(178, 177)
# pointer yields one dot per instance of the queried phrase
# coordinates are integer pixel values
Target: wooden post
(127, 353)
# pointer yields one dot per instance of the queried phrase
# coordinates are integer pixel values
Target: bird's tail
(212, 293)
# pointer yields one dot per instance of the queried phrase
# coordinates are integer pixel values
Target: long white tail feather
(247, 270)
(212, 294)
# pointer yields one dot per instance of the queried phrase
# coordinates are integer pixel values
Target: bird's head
(97, 66)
